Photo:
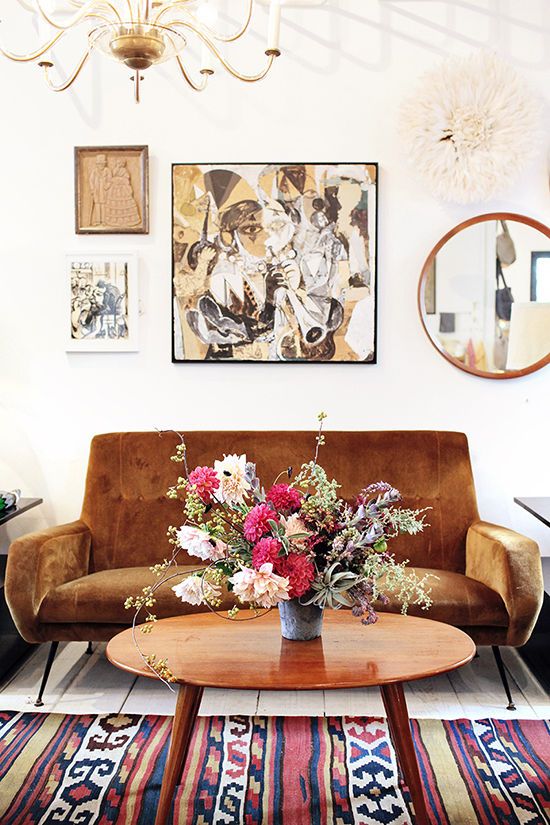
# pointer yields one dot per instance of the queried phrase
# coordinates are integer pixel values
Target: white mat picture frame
(102, 301)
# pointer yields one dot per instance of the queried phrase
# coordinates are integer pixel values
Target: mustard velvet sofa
(70, 582)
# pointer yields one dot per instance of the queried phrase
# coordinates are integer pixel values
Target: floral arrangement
(297, 540)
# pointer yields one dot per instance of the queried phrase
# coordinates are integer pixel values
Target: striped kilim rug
(274, 771)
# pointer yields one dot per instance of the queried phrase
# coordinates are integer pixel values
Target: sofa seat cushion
(457, 600)
(99, 597)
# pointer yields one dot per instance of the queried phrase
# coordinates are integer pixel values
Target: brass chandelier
(143, 33)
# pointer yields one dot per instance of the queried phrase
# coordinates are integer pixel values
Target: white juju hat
(470, 127)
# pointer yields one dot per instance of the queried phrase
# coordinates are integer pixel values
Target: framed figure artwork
(102, 303)
(274, 262)
(111, 190)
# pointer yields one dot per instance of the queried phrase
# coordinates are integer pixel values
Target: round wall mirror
(484, 295)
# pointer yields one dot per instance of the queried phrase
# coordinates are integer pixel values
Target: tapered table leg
(400, 729)
(187, 707)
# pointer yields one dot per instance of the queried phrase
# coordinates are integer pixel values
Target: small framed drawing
(111, 190)
(102, 299)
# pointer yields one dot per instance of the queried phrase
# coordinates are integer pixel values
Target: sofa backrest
(128, 474)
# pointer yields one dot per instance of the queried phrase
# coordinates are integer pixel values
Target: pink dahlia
(285, 498)
(266, 551)
(299, 570)
(205, 481)
(256, 523)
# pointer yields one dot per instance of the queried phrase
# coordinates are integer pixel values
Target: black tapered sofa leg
(89, 649)
(51, 656)
(503, 676)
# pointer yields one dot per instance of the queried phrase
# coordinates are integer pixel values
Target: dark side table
(536, 653)
(12, 646)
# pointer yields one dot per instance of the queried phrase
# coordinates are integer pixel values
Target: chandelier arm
(78, 16)
(115, 10)
(197, 87)
(245, 77)
(220, 38)
(167, 7)
(232, 37)
(26, 58)
(271, 55)
(130, 10)
(68, 83)
(97, 15)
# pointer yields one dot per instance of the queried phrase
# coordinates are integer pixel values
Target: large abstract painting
(274, 262)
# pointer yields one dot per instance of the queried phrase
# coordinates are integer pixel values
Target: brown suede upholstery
(70, 582)
(99, 597)
(510, 564)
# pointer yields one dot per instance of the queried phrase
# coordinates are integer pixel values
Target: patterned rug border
(241, 770)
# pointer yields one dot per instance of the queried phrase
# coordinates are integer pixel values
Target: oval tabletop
(208, 651)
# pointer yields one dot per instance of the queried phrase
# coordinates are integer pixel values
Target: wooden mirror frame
(489, 216)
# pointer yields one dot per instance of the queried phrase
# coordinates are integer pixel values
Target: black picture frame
(374, 356)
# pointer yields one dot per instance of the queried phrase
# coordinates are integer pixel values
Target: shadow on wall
(414, 22)
(20, 468)
(381, 27)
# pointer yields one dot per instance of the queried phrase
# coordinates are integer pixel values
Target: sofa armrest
(509, 563)
(39, 562)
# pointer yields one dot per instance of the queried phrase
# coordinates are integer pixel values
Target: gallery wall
(334, 95)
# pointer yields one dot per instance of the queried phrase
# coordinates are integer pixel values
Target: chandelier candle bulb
(274, 27)
(207, 60)
(208, 16)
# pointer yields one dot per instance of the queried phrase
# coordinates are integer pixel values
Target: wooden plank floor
(81, 683)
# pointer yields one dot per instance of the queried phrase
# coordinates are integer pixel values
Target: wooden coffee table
(203, 650)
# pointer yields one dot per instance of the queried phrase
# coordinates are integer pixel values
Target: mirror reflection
(485, 295)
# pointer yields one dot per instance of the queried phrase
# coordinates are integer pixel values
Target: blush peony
(256, 523)
(295, 527)
(196, 590)
(300, 572)
(285, 498)
(199, 543)
(261, 587)
(265, 551)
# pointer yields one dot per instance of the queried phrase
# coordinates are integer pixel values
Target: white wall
(334, 95)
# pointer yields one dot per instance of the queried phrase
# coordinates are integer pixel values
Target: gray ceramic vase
(300, 622)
